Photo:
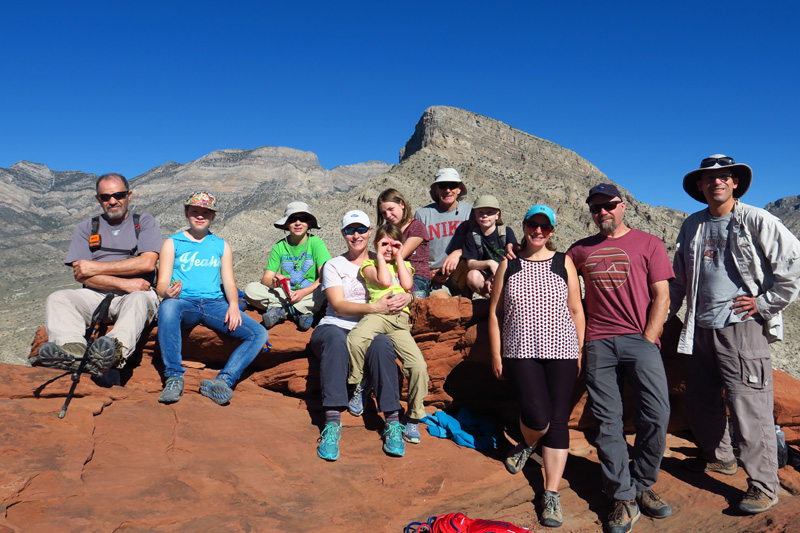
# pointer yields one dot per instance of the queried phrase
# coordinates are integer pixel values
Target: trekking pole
(92, 334)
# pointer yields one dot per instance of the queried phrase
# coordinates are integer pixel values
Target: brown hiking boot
(756, 501)
(104, 354)
(625, 514)
(698, 464)
(63, 357)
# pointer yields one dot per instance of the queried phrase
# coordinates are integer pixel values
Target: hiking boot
(216, 389)
(517, 457)
(173, 390)
(328, 447)
(360, 393)
(412, 431)
(393, 443)
(624, 515)
(63, 357)
(305, 321)
(652, 505)
(552, 515)
(273, 316)
(104, 354)
(698, 464)
(756, 501)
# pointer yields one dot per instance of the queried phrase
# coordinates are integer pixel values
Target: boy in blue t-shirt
(292, 275)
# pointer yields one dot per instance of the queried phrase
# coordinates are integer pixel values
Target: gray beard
(607, 227)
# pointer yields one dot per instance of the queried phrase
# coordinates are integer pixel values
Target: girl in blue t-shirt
(195, 279)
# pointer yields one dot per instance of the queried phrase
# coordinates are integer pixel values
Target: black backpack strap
(96, 243)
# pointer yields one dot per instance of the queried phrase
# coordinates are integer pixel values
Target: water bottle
(783, 451)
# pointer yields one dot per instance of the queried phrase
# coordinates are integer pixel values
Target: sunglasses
(115, 195)
(608, 206)
(448, 186)
(298, 218)
(711, 161)
(544, 228)
(361, 230)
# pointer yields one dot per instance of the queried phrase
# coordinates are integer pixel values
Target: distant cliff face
(788, 210)
(255, 185)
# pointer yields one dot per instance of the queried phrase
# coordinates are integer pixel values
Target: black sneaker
(652, 505)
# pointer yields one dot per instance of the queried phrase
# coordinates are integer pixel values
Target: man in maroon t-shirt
(626, 275)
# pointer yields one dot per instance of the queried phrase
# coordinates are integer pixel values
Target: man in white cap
(445, 220)
(738, 267)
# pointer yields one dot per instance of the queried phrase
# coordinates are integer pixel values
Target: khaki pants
(398, 328)
(68, 313)
(736, 360)
(262, 297)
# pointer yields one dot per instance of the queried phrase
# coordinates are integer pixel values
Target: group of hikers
(736, 266)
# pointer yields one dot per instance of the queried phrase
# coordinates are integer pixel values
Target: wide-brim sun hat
(742, 172)
(487, 200)
(294, 208)
(447, 175)
(356, 216)
(202, 199)
(540, 209)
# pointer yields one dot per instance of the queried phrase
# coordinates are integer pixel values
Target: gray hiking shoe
(552, 515)
(173, 390)
(624, 515)
(756, 501)
(104, 354)
(216, 389)
(63, 357)
(652, 505)
(517, 457)
(304, 322)
(698, 464)
(273, 316)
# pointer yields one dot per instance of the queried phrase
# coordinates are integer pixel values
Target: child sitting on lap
(388, 273)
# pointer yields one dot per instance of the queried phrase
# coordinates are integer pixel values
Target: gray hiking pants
(608, 362)
(736, 360)
(68, 313)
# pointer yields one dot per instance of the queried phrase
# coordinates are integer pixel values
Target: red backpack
(460, 523)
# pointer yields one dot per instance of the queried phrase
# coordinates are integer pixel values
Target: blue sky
(644, 90)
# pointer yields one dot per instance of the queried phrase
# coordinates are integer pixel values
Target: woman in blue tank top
(195, 279)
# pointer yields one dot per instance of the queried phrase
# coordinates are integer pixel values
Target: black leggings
(544, 388)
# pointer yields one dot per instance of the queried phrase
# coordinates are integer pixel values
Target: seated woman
(347, 303)
(195, 268)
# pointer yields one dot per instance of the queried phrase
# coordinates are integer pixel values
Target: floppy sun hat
(294, 208)
(448, 175)
(202, 199)
(739, 170)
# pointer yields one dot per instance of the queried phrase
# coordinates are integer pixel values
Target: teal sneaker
(216, 389)
(328, 447)
(173, 390)
(393, 443)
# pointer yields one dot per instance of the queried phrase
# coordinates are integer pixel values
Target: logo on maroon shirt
(608, 268)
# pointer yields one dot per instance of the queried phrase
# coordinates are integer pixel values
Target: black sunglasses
(298, 218)
(711, 161)
(608, 206)
(448, 186)
(121, 195)
(546, 228)
(361, 230)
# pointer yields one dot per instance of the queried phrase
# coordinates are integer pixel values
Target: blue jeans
(176, 314)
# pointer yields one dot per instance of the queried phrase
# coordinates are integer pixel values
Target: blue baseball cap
(541, 210)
